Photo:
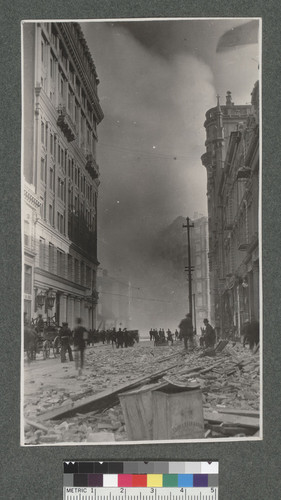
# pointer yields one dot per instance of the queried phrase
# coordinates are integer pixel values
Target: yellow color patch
(155, 480)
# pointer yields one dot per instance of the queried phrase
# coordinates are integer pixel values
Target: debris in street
(229, 385)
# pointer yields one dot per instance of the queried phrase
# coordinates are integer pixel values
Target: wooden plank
(36, 425)
(231, 419)
(100, 400)
(231, 430)
(180, 353)
(218, 363)
(221, 345)
(245, 413)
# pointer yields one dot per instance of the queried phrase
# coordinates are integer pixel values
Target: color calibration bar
(140, 480)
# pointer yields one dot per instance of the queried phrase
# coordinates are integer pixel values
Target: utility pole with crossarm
(189, 269)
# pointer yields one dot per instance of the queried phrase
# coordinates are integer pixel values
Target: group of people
(185, 333)
(119, 338)
(159, 336)
(250, 333)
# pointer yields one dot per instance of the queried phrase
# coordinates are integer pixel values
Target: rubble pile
(229, 381)
(105, 369)
(233, 380)
(230, 384)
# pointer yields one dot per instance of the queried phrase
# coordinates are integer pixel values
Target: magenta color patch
(125, 480)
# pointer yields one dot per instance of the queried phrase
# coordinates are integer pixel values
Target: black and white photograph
(141, 231)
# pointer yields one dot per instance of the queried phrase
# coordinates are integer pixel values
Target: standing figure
(186, 331)
(201, 339)
(65, 336)
(120, 338)
(210, 334)
(126, 339)
(251, 333)
(40, 326)
(30, 340)
(113, 337)
(170, 336)
(79, 345)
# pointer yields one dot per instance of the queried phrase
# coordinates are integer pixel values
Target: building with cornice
(61, 111)
(232, 164)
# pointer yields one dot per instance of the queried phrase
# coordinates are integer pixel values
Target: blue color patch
(185, 480)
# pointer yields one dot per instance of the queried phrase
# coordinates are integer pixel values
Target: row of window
(69, 86)
(57, 44)
(75, 207)
(65, 265)
(67, 164)
(66, 99)
(75, 176)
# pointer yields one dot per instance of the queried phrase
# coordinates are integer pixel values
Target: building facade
(232, 163)
(61, 112)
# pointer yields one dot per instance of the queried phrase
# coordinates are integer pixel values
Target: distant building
(114, 307)
(232, 163)
(61, 112)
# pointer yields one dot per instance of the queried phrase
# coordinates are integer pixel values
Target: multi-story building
(61, 111)
(232, 163)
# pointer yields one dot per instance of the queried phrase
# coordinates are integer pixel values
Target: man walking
(186, 330)
(251, 334)
(79, 345)
(210, 334)
(65, 336)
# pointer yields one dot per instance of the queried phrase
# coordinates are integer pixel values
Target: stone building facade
(232, 163)
(61, 111)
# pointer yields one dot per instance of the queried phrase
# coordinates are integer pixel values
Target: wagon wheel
(46, 349)
(56, 346)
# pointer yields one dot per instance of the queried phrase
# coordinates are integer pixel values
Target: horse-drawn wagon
(45, 340)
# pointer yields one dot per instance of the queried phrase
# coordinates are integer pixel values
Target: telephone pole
(189, 269)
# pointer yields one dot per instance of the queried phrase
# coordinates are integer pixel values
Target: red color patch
(140, 480)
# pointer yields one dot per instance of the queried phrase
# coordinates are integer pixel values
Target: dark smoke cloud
(156, 83)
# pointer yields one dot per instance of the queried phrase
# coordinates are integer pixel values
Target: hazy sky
(157, 80)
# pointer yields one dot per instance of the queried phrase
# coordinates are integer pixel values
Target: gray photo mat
(248, 470)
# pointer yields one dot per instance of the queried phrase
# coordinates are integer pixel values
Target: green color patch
(170, 480)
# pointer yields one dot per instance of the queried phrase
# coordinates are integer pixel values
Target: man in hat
(210, 334)
(65, 336)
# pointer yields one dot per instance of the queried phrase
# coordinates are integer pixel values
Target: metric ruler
(140, 481)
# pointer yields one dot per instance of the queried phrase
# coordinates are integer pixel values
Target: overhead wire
(145, 153)
(150, 299)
